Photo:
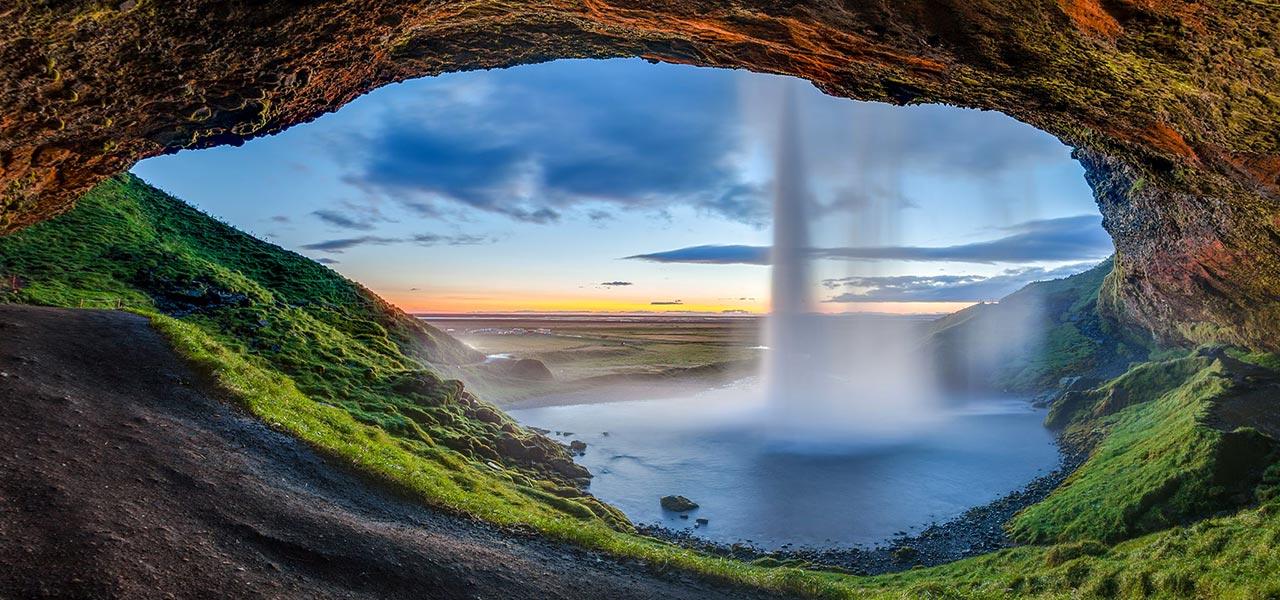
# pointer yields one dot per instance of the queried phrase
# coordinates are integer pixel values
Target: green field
(611, 355)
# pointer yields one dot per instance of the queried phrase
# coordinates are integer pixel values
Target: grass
(1061, 331)
(322, 359)
(1158, 465)
(130, 245)
(1229, 557)
(590, 354)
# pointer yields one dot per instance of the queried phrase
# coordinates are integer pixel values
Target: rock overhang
(1173, 106)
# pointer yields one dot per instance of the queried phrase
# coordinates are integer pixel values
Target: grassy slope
(1159, 463)
(1069, 338)
(346, 395)
(130, 245)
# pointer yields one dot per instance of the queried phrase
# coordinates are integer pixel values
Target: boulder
(677, 504)
(526, 369)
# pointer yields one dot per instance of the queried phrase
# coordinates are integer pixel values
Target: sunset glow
(559, 187)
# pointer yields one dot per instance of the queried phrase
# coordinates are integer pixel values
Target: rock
(578, 446)
(526, 369)
(486, 414)
(701, 521)
(569, 469)
(905, 553)
(513, 447)
(677, 504)
(1078, 383)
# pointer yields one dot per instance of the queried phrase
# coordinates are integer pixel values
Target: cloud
(846, 141)
(1064, 239)
(326, 261)
(616, 283)
(340, 245)
(433, 239)
(709, 255)
(280, 219)
(343, 220)
(1068, 238)
(944, 288)
(540, 142)
(337, 246)
(546, 140)
(666, 302)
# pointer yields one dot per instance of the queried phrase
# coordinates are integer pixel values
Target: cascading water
(790, 364)
(830, 379)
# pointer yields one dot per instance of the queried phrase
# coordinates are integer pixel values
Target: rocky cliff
(1173, 104)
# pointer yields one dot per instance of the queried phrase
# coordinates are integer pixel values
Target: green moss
(1159, 463)
(130, 245)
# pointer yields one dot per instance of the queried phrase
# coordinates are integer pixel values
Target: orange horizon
(416, 303)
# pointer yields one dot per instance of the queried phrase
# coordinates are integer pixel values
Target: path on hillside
(121, 477)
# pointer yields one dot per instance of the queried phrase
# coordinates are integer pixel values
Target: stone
(677, 504)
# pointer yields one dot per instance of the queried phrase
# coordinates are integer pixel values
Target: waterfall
(842, 379)
(789, 360)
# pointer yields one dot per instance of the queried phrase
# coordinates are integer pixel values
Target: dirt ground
(121, 476)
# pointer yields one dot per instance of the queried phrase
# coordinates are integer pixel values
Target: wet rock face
(1175, 98)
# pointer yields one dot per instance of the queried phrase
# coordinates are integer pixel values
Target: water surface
(712, 448)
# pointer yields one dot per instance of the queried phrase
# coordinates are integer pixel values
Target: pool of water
(712, 448)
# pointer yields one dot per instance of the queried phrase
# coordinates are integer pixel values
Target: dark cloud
(1068, 238)
(280, 219)
(666, 302)
(710, 255)
(536, 143)
(326, 261)
(340, 245)
(432, 239)
(1064, 239)
(542, 141)
(741, 202)
(616, 283)
(944, 288)
(343, 220)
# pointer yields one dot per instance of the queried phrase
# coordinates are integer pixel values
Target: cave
(1171, 107)
(1170, 104)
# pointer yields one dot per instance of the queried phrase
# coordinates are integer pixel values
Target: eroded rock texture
(1173, 103)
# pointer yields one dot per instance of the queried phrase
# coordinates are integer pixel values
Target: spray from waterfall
(830, 378)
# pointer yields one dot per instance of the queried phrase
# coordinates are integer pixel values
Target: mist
(846, 380)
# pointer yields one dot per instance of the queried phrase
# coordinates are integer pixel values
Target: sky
(620, 185)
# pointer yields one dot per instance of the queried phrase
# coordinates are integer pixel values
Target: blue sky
(532, 188)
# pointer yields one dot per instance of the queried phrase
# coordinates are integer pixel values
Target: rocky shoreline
(979, 530)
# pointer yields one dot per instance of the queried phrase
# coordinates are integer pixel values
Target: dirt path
(119, 477)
